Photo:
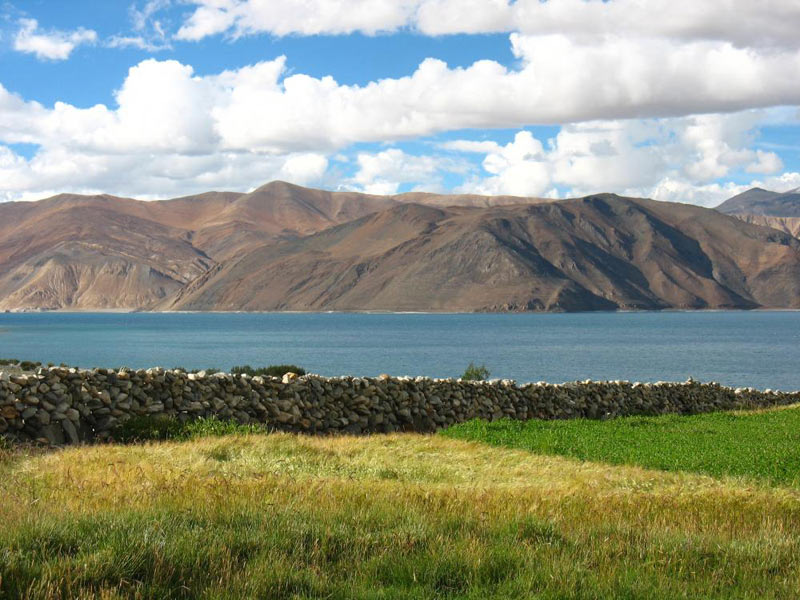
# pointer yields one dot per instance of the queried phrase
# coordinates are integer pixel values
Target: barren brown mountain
(103, 252)
(758, 201)
(780, 211)
(596, 253)
(284, 247)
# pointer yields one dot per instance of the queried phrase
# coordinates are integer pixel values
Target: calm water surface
(760, 349)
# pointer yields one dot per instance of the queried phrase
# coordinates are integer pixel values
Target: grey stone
(70, 431)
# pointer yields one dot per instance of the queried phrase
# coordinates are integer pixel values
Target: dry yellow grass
(403, 515)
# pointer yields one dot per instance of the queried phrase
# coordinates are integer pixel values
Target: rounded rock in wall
(9, 412)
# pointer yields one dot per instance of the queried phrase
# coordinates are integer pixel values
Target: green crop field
(401, 516)
(762, 445)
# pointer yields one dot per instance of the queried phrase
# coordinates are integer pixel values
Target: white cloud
(284, 17)
(144, 175)
(766, 163)
(385, 171)
(52, 45)
(173, 131)
(259, 107)
(741, 22)
(304, 168)
(559, 82)
(150, 33)
(143, 18)
(676, 159)
(713, 194)
(135, 41)
(518, 168)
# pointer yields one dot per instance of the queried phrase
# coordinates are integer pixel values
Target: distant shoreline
(392, 312)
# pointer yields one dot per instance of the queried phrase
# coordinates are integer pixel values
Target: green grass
(224, 515)
(761, 445)
(149, 428)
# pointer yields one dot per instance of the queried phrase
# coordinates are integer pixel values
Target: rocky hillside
(284, 247)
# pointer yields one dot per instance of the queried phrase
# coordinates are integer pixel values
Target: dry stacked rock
(66, 405)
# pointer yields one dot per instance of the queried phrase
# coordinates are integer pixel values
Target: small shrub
(475, 373)
(4, 362)
(271, 371)
(28, 365)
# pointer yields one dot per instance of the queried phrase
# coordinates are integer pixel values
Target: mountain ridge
(286, 247)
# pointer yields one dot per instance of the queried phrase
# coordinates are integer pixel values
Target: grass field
(398, 516)
(763, 445)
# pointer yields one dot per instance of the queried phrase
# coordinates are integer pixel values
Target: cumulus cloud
(578, 60)
(260, 106)
(266, 108)
(144, 175)
(766, 163)
(50, 45)
(629, 126)
(150, 145)
(741, 22)
(384, 172)
(713, 194)
(678, 159)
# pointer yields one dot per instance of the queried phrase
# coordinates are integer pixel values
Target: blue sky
(158, 98)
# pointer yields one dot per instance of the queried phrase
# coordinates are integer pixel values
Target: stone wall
(61, 405)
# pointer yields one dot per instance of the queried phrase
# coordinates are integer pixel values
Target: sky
(680, 100)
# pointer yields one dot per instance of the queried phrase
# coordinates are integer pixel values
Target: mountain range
(285, 247)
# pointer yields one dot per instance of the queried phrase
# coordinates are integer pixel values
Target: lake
(759, 349)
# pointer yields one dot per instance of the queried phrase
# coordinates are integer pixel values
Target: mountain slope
(790, 225)
(596, 253)
(758, 201)
(89, 252)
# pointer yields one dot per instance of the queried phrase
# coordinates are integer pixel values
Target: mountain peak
(277, 186)
(758, 201)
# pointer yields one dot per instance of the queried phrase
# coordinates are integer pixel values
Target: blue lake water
(759, 349)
